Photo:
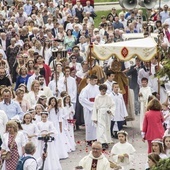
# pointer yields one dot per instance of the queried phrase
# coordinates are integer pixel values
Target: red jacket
(47, 73)
(152, 125)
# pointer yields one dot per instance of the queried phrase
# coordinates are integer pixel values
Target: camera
(46, 138)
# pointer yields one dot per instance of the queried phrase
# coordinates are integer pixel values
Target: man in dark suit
(54, 30)
(133, 74)
(35, 31)
(4, 42)
(4, 78)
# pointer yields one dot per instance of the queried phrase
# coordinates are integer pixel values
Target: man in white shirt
(3, 121)
(69, 85)
(47, 91)
(31, 163)
(33, 77)
(49, 25)
(164, 14)
(39, 4)
(55, 88)
(109, 82)
(4, 42)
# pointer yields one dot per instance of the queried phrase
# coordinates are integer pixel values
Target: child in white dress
(47, 129)
(166, 142)
(32, 113)
(55, 117)
(66, 139)
(68, 121)
(123, 151)
(38, 109)
(157, 147)
(29, 129)
(166, 114)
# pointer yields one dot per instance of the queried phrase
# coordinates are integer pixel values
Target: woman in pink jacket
(152, 124)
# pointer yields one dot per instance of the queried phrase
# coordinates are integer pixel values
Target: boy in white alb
(86, 99)
(144, 93)
(120, 111)
(103, 110)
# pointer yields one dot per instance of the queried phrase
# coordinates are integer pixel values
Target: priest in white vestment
(96, 159)
(86, 99)
(103, 110)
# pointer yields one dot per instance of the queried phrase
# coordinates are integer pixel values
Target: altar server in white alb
(144, 93)
(123, 152)
(103, 110)
(96, 159)
(118, 120)
(86, 99)
(109, 82)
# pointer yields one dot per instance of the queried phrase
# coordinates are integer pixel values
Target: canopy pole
(90, 57)
(158, 52)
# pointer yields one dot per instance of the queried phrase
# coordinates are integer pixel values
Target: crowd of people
(50, 84)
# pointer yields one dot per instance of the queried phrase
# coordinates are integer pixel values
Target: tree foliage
(164, 164)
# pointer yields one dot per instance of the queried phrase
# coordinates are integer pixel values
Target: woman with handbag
(13, 143)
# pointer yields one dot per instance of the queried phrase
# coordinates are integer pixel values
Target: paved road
(134, 138)
(132, 128)
(108, 6)
(104, 7)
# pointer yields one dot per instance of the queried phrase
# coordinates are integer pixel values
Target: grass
(97, 20)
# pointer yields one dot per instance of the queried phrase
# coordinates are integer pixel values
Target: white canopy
(132, 36)
(145, 49)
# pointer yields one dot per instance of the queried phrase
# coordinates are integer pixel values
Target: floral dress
(69, 42)
(12, 163)
(11, 57)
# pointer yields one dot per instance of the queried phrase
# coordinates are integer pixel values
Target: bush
(164, 164)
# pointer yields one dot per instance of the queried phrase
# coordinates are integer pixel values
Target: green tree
(164, 164)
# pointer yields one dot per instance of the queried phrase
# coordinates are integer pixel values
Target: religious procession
(76, 96)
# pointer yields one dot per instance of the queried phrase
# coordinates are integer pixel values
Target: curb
(105, 3)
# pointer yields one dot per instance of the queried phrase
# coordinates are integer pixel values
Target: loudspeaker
(149, 4)
(128, 4)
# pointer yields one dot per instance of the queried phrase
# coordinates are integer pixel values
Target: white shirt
(52, 86)
(3, 121)
(109, 86)
(39, 4)
(49, 26)
(3, 53)
(32, 164)
(120, 112)
(30, 80)
(71, 87)
(76, 65)
(3, 42)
